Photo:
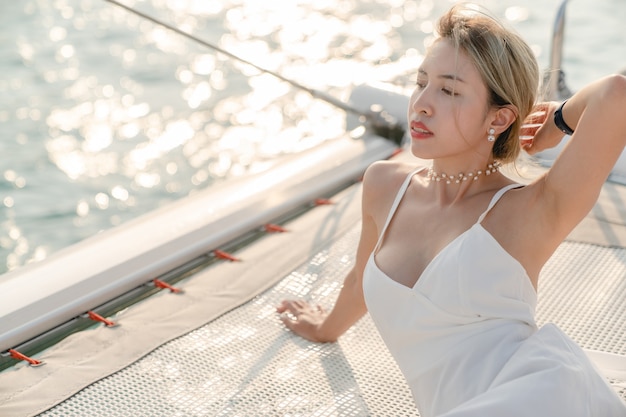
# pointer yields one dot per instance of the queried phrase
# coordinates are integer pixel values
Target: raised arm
(597, 114)
(311, 321)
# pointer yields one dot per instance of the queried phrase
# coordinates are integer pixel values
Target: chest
(472, 277)
(416, 236)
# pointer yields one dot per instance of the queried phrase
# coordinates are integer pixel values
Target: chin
(419, 152)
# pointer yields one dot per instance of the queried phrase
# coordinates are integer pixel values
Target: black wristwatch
(560, 123)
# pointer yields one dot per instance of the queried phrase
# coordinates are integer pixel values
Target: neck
(458, 178)
(451, 189)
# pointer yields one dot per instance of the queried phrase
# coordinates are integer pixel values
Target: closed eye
(421, 82)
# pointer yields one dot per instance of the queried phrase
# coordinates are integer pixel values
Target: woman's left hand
(539, 132)
(303, 319)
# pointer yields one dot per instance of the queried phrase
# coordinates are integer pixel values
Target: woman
(448, 266)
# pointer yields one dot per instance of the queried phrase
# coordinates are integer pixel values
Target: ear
(503, 118)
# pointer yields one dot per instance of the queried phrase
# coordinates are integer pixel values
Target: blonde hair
(506, 63)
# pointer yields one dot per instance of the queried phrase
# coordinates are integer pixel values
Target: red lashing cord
(164, 285)
(97, 317)
(225, 255)
(19, 356)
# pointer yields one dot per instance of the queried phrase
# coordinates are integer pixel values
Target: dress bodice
(473, 277)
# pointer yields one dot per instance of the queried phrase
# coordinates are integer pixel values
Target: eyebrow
(452, 77)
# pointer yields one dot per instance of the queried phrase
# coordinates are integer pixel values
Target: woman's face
(448, 110)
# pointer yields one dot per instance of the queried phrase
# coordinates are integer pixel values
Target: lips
(420, 131)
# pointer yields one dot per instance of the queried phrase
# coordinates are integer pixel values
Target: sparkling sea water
(106, 116)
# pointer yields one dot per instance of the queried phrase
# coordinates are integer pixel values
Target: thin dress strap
(496, 198)
(396, 203)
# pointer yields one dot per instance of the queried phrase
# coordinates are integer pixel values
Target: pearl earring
(491, 137)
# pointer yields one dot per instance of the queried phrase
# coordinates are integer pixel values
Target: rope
(380, 121)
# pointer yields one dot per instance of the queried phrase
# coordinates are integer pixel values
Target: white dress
(466, 340)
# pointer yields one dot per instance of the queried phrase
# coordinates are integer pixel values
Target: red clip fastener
(224, 255)
(323, 202)
(21, 357)
(274, 228)
(162, 284)
(97, 317)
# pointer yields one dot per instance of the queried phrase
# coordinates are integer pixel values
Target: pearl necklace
(436, 176)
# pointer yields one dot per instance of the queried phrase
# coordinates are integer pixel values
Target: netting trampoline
(245, 363)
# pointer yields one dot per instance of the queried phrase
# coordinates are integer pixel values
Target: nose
(420, 102)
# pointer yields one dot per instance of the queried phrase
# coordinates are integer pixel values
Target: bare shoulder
(385, 177)
(381, 183)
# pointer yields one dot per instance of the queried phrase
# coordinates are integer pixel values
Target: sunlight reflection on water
(107, 116)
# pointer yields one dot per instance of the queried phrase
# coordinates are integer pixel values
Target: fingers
(297, 308)
(527, 134)
(539, 132)
(291, 306)
(303, 319)
(536, 128)
(289, 321)
(290, 311)
(532, 124)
